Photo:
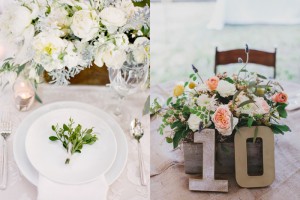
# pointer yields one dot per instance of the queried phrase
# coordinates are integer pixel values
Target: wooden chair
(255, 56)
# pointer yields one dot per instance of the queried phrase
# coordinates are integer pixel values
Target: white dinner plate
(48, 157)
(31, 173)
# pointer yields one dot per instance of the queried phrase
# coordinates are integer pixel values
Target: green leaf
(38, 98)
(261, 76)
(185, 84)
(250, 121)
(229, 80)
(246, 102)
(281, 110)
(283, 128)
(236, 94)
(169, 140)
(20, 69)
(255, 134)
(53, 138)
(169, 100)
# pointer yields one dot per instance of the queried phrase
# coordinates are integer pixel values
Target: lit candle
(24, 94)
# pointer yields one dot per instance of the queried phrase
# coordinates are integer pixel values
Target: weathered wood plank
(225, 162)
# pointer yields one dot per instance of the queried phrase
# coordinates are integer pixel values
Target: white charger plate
(31, 173)
(48, 157)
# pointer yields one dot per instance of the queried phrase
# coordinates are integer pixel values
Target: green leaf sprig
(73, 137)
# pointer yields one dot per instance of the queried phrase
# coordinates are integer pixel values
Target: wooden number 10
(208, 183)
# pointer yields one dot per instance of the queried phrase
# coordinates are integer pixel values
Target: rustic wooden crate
(225, 163)
(93, 75)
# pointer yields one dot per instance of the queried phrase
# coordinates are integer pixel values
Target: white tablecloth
(172, 184)
(255, 12)
(127, 187)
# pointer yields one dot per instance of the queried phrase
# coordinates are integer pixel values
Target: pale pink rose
(263, 106)
(222, 120)
(280, 97)
(212, 83)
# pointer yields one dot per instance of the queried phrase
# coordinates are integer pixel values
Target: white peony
(49, 51)
(226, 89)
(85, 24)
(194, 122)
(113, 18)
(205, 101)
(15, 20)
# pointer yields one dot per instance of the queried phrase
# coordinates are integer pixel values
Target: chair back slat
(255, 56)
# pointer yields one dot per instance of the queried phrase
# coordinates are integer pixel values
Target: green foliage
(74, 136)
(281, 110)
(279, 129)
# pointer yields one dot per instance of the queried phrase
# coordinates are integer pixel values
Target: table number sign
(208, 182)
(240, 146)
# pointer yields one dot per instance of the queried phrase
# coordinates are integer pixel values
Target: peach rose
(212, 83)
(280, 97)
(222, 120)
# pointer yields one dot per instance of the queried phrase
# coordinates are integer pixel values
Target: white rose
(85, 24)
(205, 101)
(49, 51)
(225, 88)
(115, 58)
(194, 122)
(113, 18)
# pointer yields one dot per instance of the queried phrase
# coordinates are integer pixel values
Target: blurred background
(185, 32)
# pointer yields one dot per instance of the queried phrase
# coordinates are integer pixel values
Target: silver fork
(5, 131)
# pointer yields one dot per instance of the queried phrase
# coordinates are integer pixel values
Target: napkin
(50, 190)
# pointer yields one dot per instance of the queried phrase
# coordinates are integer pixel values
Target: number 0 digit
(240, 148)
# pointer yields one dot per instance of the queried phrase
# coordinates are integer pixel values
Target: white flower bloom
(85, 24)
(262, 106)
(141, 50)
(71, 59)
(225, 88)
(57, 21)
(206, 101)
(33, 74)
(15, 20)
(121, 40)
(194, 122)
(202, 87)
(113, 18)
(49, 51)
(115, 58)
(128, 7)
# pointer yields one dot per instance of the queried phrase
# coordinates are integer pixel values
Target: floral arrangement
(63, 37)
(224, 103)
